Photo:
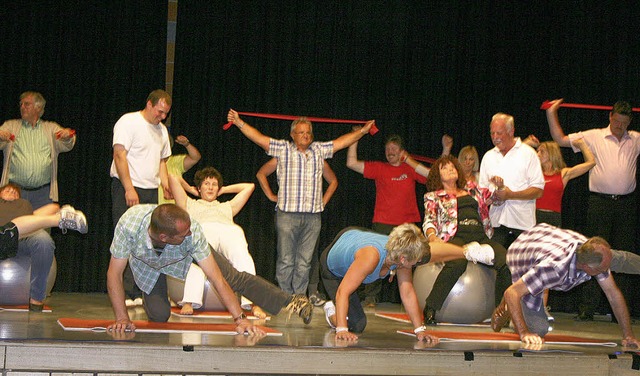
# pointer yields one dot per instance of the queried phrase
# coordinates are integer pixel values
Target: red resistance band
(71, 134)
(372, 131)
(547, 104)
(423, 159)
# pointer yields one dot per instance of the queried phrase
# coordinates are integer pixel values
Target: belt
(612, 197)
(36, 188)
(469, 222)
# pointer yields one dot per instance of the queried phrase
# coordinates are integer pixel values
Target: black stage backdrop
(92, 61)
(420, 69)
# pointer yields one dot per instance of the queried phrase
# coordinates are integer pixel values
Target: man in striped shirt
(548, 257)
(31, 146)
(299, 208)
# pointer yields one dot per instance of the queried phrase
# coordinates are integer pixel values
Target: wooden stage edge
(34, 344)
(73, 358)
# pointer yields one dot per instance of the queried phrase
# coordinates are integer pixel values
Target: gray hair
(38, 100)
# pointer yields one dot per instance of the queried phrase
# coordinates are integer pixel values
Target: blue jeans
(40, 248)
(297, 237)
(37, 198)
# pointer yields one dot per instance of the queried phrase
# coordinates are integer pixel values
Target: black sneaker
(317, 299)
(584, 316)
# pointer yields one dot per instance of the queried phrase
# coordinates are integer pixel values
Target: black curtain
(420, 69)
(92, 61)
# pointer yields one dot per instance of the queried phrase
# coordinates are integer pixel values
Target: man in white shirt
(518, 165)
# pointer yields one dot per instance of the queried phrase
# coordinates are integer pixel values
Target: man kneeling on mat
(158, 241)
(548, 257)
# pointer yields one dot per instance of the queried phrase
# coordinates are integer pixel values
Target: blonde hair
(470, 149)
(407, 240)
(555, 155)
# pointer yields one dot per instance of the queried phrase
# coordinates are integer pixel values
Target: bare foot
(258, 312)
(187, 309)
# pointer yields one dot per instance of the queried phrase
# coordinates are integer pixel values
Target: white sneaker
(72, 219)
(329, 310)
(479, 253)
(133, 303)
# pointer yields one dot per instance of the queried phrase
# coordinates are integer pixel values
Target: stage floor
(34, 343)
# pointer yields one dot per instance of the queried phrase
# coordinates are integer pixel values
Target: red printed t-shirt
(396, 201)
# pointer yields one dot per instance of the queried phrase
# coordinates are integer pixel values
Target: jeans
(40, 248)
(297, 237)
(37, 198)
(537, 321)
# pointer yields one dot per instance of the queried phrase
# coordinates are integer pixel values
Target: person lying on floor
(548, 257)
(161, 240)
(23, 235)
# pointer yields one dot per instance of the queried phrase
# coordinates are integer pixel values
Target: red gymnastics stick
(372, 131)
(547, 104)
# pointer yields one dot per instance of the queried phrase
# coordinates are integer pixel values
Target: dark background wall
(420, 69)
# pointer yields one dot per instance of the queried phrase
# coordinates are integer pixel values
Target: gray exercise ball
(51, 278)
(471, 299)
(15, 277)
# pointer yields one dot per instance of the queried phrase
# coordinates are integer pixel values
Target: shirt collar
(607, 133)
(27, 124)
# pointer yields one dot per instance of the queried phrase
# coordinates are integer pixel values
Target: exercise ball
(15, 277)
(51, 278)
(210, 302)
(471, 299)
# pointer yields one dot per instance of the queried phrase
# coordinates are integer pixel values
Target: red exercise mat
(549, 339)
(158, 327)
(212, 314)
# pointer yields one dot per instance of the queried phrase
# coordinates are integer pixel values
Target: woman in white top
(216, 220)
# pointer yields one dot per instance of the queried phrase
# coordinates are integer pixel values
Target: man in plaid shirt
(299, 171)
(162, 240)
(547, 257)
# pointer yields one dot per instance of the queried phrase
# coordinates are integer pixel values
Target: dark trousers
(615, 221)
(505, 235)
(357, 320)
(452, 271)
(257, 289)
(118, 207)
